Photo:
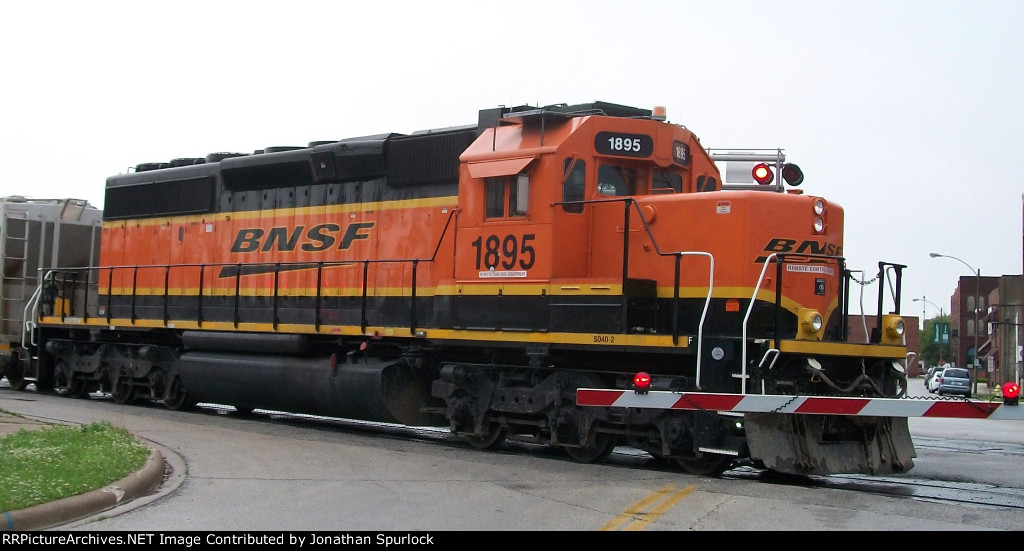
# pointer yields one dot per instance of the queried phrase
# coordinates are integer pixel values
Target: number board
(631, 145)
(681, 153)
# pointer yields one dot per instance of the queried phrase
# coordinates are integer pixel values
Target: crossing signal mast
(756, 169)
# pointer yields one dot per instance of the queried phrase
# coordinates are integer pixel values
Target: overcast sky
(905, 112)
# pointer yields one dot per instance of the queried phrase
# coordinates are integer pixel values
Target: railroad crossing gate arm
(801, 405)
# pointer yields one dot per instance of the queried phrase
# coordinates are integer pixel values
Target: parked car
(955, 380)
(931, 379)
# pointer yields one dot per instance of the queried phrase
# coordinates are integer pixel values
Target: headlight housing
(893, 329)
(811, 324)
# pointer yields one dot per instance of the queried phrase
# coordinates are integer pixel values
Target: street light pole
(926, 301)
(977, 298)
(924, 313)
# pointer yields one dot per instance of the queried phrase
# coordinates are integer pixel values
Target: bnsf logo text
(318, 238)
(778, 245)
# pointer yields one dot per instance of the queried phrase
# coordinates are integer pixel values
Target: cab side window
(666, 182)
(572, 187)
(707, 183)
(507, 196)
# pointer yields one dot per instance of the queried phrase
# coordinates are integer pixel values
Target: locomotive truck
(483, 278)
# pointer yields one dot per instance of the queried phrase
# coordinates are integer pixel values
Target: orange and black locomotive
(475, 277)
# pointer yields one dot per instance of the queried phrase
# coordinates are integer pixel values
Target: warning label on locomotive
(810, 269)
(503, 273)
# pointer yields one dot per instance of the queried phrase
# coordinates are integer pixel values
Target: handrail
(678, 255)
(276, 268)
(32, 305)
(772, 353)
(629, 201)
(779, 260)
(746, 322)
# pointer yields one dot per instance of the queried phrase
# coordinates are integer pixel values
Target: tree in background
(934, 353)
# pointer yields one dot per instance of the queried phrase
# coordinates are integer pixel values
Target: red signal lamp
(762, 174)
(1011, 393)
(641, 383)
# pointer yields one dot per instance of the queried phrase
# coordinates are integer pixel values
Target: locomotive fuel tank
(353, 386)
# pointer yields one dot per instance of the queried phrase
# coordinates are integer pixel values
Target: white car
(932, 382)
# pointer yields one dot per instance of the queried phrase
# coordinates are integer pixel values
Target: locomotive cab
(544, 197)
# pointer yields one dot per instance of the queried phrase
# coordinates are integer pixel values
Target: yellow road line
(643, 517)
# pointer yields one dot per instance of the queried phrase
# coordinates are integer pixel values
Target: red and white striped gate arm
(807, 405)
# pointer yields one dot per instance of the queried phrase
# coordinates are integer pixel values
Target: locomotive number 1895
(511, 250)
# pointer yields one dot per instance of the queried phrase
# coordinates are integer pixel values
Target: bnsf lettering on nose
(317, 238)
(808, 246)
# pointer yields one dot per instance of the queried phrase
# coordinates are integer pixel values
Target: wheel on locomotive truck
(78, 387)
(122, 391)
(493, 436)
(600, 447)
(68, 382)
(16, 374)
(176, 398)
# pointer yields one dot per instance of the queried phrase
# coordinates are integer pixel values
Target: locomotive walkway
(130, 489)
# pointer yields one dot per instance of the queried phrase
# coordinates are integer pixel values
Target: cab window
(507, 196)
(707, 183)
(666, 182)
(619, 181)
(572, 187)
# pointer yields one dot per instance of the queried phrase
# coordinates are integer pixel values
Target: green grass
(43, 465)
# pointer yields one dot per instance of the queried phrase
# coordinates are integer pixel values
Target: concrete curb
(141, 483)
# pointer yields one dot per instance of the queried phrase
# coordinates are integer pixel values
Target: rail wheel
(16, 374)
(600, 447)
(123, 391)
(494, 434)
(62, 376)
(78, 387)
(709, 465)
(66, 381)
(176, 398)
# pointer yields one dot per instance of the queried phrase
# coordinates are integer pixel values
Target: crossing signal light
(792, 174)
(641, 383)
(763, 174)
(1011, 393)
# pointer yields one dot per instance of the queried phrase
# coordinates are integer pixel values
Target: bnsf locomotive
(475, 277)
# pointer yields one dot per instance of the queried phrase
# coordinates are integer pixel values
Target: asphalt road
(233, 473)
(961, 429)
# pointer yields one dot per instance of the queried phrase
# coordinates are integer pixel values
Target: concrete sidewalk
(142, 483)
